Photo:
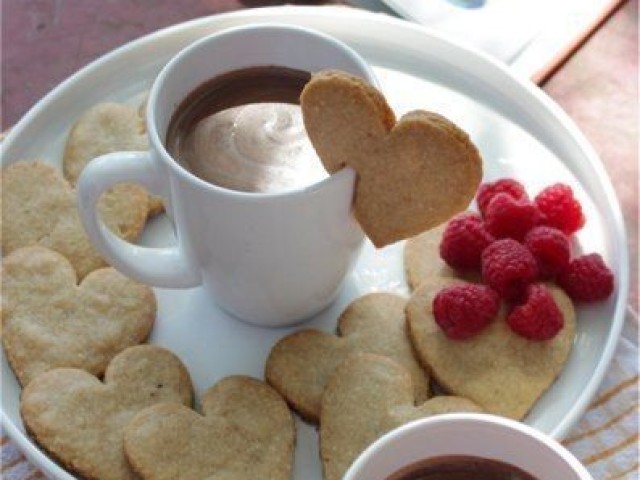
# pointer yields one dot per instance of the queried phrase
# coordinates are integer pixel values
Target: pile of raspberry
(516, 243)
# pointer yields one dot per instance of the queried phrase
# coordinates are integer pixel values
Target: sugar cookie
(413, 174)
(300, 364)
(367, 396)
(246, 431)
(498, 369)
(80, 420)
(49, 321)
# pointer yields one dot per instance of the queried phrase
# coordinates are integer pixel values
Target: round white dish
(518, 129)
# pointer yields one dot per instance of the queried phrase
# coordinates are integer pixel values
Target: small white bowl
(472, 434)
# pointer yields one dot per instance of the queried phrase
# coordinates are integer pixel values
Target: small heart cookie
(102, 129)
(300, 364)
(498, 369)
(80, 420)
(412, 174)
(49, 321)
(422, 261)
(39, 208)
(246, 432)
(367, 396)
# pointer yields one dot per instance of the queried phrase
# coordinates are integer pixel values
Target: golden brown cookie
(39, 208)
(246, 432)
(422, 260)
(49, 321)
(80, 420)
(367, 396)
(413, 174)
(498, 369)
(300, 364)
(107, 128)
(422, 257)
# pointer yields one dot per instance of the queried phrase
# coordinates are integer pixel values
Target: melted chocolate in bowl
(243, 130)
(460, 467)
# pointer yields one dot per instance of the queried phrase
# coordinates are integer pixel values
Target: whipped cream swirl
(258, 147)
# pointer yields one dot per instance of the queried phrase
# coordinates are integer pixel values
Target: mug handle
(159, 267)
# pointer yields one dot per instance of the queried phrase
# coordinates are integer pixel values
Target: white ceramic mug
(472, 434)
(270, 259)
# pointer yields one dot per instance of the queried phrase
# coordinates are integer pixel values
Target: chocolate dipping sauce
(460, 467)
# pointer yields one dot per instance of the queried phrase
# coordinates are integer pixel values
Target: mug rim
(461, 420)
(159, 149)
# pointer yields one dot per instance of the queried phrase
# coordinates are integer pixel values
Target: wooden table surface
(45, 41)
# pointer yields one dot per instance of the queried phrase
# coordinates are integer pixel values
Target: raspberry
(507, 217)
(551, 249)
(487, 191)
(560, 209)
(463, 310)
(463, 241)
(508, 267)
(538, 318)
(587, 279)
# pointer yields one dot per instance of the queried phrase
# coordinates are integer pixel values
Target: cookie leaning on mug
(413, 174)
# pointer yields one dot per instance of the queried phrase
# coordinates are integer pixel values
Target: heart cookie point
(412, 175)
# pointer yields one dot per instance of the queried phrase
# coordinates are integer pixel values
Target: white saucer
(518, 129)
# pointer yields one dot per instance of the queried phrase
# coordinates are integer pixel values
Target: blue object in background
(468, 3)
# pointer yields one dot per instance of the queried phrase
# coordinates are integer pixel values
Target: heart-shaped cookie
(80, 421)
(300, 364)
(247, 432)
(498, 369)
(367, 396)
(39, 208)
(49, 321)
(412, 175)
(106, 128)
(422, 261)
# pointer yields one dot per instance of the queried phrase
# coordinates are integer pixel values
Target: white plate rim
(498, 72)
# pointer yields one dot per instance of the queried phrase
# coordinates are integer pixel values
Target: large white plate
(518, 129)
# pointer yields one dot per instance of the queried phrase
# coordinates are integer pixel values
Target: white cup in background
(469, 434)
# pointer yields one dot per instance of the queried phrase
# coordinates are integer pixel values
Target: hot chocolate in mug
(466, 445)
(270, 258)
